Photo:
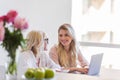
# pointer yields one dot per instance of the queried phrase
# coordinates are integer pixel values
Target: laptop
(95, 64)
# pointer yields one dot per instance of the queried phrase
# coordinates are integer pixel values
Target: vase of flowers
(11, 37)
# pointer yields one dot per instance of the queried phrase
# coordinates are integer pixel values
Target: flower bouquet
(11, 37)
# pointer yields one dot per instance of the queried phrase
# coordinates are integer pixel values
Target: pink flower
(2, 31)
(11, 36)
(11, 16)
(20, 23)
(3, 18)
(1, 23)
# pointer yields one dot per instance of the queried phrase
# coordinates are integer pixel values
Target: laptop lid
(95, 64)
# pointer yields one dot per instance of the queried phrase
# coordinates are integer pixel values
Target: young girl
(32, 57)
(66, 53)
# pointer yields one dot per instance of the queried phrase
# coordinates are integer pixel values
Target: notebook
(94, 67)
(95, 64)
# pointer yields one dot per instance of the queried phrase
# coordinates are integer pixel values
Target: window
(96, 24)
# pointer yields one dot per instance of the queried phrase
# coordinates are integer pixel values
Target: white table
(70, 76)
(105, 74)
(109, 74)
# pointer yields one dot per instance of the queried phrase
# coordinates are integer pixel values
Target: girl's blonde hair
(34, 40)
(72, 50)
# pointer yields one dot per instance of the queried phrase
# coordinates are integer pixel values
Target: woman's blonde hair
(72, 49)
(34, 40)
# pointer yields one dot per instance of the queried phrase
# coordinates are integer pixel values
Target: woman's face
(64, 38)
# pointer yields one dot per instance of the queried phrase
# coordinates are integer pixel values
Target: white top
(28, 60)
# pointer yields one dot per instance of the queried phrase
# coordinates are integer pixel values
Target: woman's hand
(75, 69)
(81, 70)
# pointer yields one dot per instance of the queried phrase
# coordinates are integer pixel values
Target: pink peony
(2, 31)
(11, 16)
(11, 36)
(1, 23)
(3, 18)
(20, 23)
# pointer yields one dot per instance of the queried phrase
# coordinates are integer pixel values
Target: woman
(32, 57)
(66, 53)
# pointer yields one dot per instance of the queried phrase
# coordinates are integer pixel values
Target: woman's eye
(60, 35)
(66, 35)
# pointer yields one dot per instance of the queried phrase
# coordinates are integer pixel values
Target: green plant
(11, 43)
(11, 27)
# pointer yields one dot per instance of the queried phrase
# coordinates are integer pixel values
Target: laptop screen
(95, 64)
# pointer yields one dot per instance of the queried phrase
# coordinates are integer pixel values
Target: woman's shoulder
(54, 47)
(25, 53)
(23, 56)
(53, 50)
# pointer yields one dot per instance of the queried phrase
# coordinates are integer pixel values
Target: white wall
(45, 15)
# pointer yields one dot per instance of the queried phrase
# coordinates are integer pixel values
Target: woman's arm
(49, 62)
(53, 54)
(81, 70)
(75, 69)
(83, 62)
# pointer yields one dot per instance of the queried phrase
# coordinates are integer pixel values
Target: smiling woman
(66, 53)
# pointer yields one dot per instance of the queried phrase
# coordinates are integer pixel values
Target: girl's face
(64, 38)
